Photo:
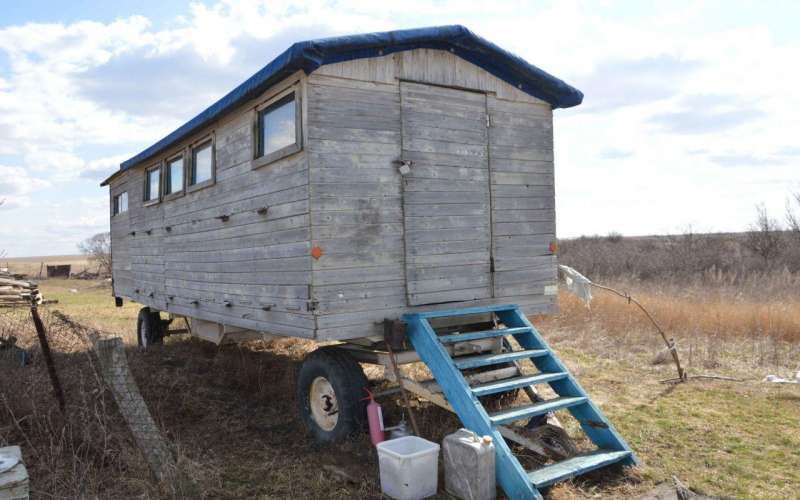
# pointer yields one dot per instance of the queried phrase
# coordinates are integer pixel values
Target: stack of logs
(15, 292)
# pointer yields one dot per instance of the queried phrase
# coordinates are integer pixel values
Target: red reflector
(553, 247)
(316, 252)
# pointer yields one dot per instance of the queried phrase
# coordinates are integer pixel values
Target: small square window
(278, 134)
(202, 168)
(152, 184)
(173, 176)
(120, 203)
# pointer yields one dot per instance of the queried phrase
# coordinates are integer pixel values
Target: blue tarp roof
(312, 54)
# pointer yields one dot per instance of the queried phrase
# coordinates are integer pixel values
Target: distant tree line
(768, 246)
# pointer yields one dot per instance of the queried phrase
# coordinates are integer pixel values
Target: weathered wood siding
(446, 194)
(356, 204)
(478, 194)
(210, 254)
(357, 210)
(121, 266)
(523, 197)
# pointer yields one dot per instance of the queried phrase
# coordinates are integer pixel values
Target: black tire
(149, 328)
(330, 420)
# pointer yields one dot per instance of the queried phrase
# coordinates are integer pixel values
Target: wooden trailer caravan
(349, 182)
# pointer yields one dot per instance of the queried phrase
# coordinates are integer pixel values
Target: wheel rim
(323, 403)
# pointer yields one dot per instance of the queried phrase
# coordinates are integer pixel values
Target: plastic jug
(469, 466)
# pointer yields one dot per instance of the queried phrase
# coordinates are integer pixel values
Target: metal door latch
(404, 166)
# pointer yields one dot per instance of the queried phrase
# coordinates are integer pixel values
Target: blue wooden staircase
(515, 481)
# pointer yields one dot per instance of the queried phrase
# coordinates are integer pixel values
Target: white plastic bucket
(409, 467)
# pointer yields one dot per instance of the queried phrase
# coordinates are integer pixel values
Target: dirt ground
(230, 414)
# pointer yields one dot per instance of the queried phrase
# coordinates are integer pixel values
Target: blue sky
(689, 116)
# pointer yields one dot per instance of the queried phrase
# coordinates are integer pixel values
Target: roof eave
(310, 55)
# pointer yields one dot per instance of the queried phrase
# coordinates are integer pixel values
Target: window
(173, 176)
(201, 171)
(120, 204)
(278, 130)
(152, 184)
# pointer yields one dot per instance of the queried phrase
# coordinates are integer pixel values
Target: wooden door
(446, 198)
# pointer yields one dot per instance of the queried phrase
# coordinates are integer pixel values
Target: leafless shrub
(98, 249)
(793, 218)
(764, 238)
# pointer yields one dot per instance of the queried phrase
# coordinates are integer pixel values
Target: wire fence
(79, 408)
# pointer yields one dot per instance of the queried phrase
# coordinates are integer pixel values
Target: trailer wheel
(330, 388)
(149, 328)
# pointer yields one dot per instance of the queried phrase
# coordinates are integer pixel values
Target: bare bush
(98, 249)
(793, 218)
(764, 238)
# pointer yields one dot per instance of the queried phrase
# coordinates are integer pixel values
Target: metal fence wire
(88, 369)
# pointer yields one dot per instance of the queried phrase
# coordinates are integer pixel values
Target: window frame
(146, 190)
(115, 203)
(209, 139)
(166, 172)
(274, 101)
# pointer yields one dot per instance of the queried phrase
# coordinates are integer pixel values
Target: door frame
(490, 207)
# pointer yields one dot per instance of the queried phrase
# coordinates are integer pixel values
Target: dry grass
(230, 412)
(739, 333)
(696, 310)
(32, 265)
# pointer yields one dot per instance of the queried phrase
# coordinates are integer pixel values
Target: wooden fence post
(114, 366)
(48, 356)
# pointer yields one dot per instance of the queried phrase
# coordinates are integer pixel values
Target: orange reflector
(553, 247)
(316, 252)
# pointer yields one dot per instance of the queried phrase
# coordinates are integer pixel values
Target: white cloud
(16, 184)
(685, 121)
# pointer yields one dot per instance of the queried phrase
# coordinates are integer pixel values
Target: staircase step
(496, 359)
(466, 311)
(459, 391)
(522, 412)
(516, 383)
(575, 466)
(483, 334)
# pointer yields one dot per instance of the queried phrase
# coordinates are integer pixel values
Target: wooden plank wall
(210, 254)
(144, 243)
(121, 266)
(343, 194)
(356, 207)
(446, 194)
(523, 198)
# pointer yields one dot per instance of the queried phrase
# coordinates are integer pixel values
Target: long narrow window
(278, 133)
(120, 203)
(173, 176)
(202, 167)
(152, 184)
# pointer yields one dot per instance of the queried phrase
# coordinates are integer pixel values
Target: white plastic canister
(469, 466)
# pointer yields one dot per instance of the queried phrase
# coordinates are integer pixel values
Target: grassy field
(33, 265)
(231, 416)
